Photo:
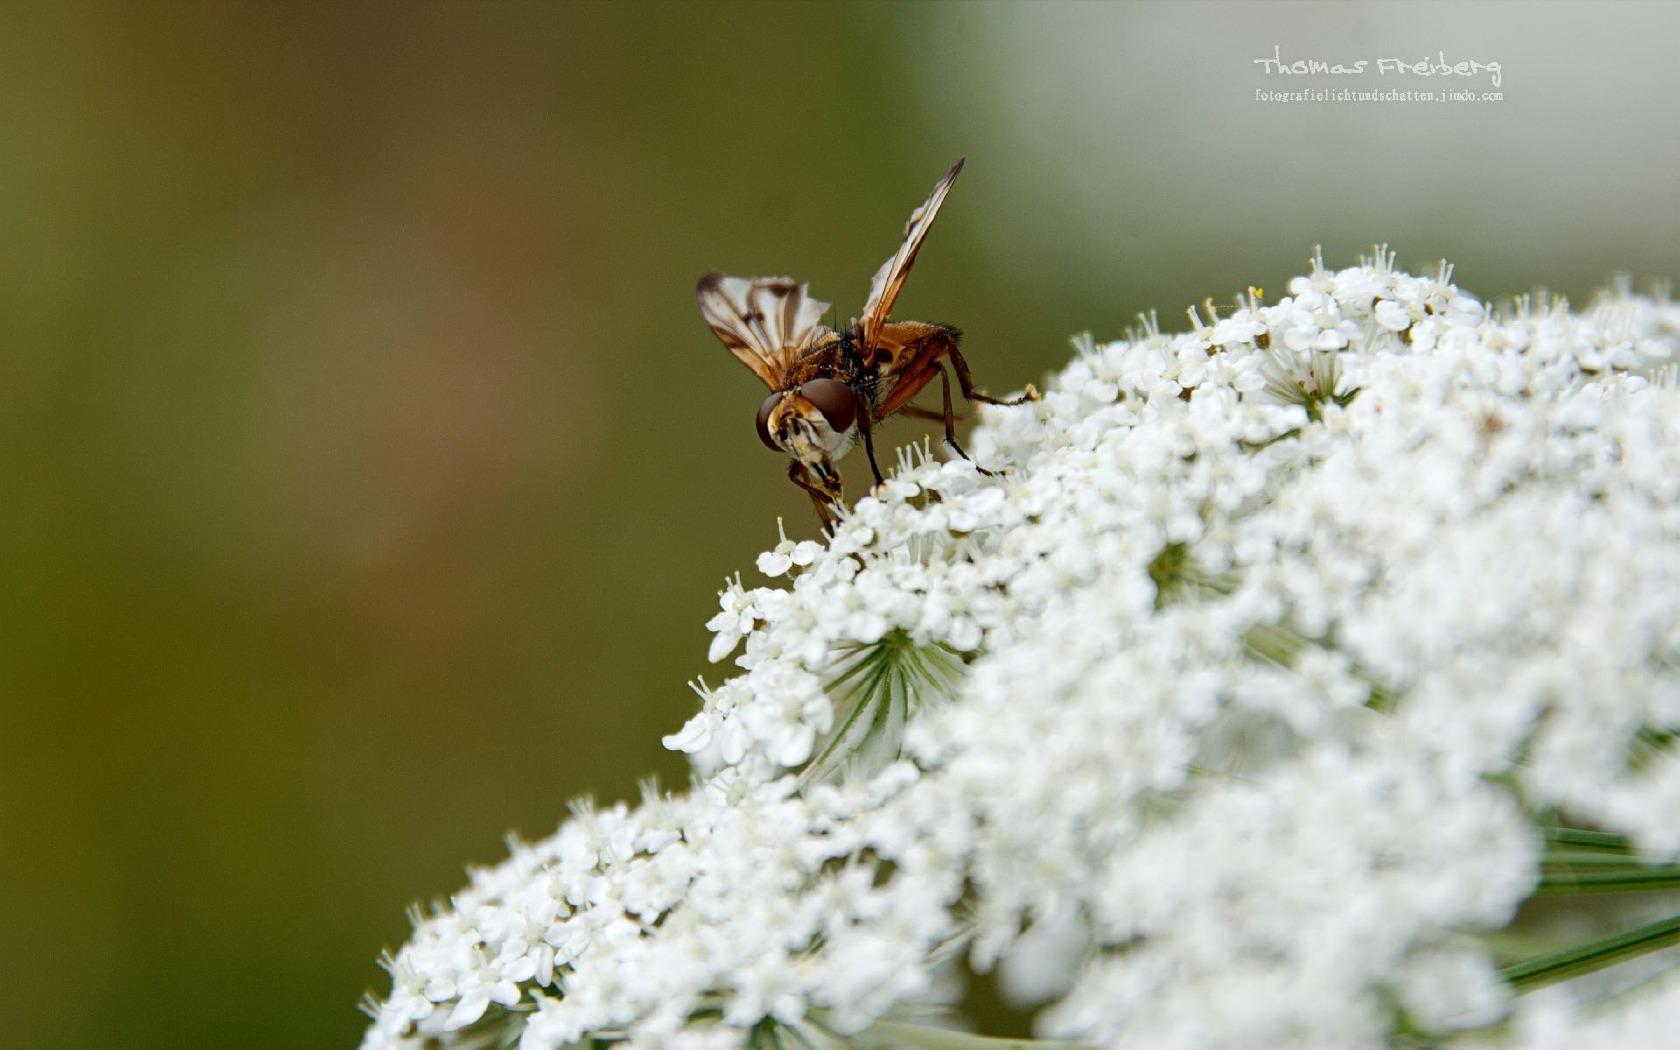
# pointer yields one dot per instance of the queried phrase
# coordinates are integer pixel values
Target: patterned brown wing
(765, 322)
(889, 279)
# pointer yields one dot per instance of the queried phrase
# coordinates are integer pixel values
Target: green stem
(1624, 881)
(1565, 859)
(865, 697)
(1592, 956)
(926, 1037)
(862, 663)
(1274, 643)
(1601, 841)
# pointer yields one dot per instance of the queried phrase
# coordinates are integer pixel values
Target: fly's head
(815, 423)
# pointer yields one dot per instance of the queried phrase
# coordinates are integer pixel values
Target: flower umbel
(1308, 678)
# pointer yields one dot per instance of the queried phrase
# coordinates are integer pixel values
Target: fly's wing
(889, 279)
(765, 322)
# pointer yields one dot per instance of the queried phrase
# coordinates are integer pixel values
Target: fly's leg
(924, 413)
(869, 439)
(967, 382)
(822, 499)
(950, 420)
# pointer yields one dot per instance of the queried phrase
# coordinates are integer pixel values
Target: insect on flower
(828, 387)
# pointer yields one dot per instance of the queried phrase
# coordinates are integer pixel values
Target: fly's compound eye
(764, 421)
(834, 400)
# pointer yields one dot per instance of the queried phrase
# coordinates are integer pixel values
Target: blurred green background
(368, 475)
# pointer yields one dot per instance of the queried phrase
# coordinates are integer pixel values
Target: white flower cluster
(1245, 686)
